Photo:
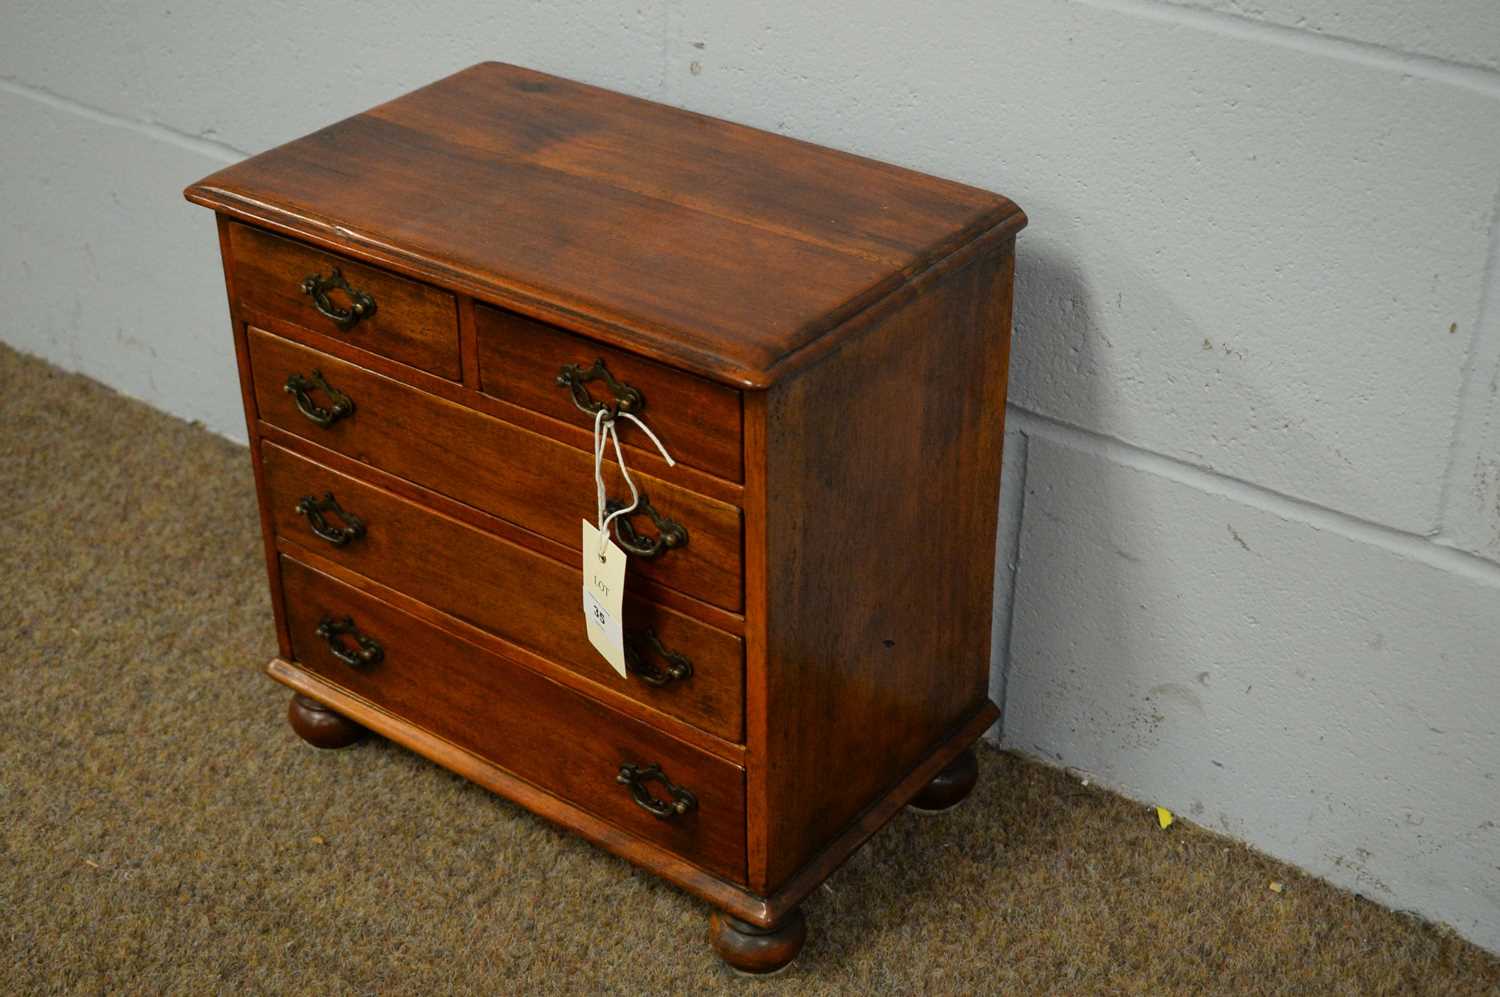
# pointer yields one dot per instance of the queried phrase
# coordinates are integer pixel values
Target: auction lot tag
(603, 596)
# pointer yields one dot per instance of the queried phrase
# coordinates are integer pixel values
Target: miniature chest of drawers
(430, 302)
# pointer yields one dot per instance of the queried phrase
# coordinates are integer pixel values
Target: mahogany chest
(431, 303)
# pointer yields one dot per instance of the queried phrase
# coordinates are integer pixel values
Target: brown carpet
(162, 830)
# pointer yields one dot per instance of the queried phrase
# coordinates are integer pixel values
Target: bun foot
(756, 951)
(949, 787)
(319, 726)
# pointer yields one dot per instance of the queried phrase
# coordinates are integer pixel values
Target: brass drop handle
(637, 776)
(669, 532)
(301, 386)
(679, 666)
(366, 650)
(361, 305)
(313, 508)
(576, 378)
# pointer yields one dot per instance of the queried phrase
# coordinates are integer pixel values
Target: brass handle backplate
(576, 378)
(637, 776)
(361, 305)
(679, 666)
(313, 508)
(669, 532)
(366, 650)
(301, 386)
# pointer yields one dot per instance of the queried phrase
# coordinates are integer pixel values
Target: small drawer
(543, 368)
(519, 595)
(527, 478)
(551, 736)
(364, 307)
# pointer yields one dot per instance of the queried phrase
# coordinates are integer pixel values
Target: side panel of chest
(875, 497)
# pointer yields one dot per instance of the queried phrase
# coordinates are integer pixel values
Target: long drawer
(540, 731)
(517, 594)
(531, 480)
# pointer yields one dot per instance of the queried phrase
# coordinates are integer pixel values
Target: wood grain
(720, 892)
(880, 539)
(548, 735)
(697, 420)
(520, 188)
(721, 619)
(608, 694)
(826, 861)
(413, 323)
(252, 432)
(733, 898)
(452, 508)
(469, 396)
(521, 596)
(529, 479)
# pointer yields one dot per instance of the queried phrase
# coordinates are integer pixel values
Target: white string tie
(604, 426)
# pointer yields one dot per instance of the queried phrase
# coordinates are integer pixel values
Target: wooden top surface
(716, 247)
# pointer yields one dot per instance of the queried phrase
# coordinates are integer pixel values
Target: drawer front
(410, 322)
(522, 596)
(544, 733)
(520, 361)
(531, 480)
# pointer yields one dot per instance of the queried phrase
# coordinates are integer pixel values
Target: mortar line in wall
(1321, 517)
(1471, 391)
(209, 148)
(1461, 74)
